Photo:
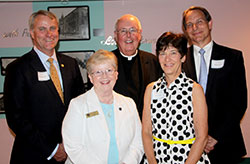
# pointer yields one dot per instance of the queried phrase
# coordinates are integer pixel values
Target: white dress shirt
(207, 56)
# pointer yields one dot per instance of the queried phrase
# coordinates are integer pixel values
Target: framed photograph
(1, 104)
(73, 22)
(4, 61)
(81, 57)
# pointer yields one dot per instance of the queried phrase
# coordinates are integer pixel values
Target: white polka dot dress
(172, 119)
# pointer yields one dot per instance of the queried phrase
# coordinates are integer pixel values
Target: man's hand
(210, 144)
(60, 154)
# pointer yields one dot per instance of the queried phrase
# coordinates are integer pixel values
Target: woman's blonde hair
(100, 57)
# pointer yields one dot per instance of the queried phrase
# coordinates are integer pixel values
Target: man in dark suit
(225, 87)
(136, 68)
(34, 107)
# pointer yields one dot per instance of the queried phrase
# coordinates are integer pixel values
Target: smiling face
(103, 77)
(128, 34)
(197, 28)
(171, 61)
(45, 34)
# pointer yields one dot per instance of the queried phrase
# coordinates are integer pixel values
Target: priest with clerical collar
(136, 68)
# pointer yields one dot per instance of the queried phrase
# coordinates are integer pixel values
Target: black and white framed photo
(73, 22)
(81, 57)
(4, 61)
(1, 104)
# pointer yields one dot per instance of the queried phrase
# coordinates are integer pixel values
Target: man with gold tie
(38, 88)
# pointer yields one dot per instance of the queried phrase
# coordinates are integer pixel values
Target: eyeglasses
(99, 73)
(199, 22)
(124, 31)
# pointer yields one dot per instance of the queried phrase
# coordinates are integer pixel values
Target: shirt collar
(43, 57)
(206, 48)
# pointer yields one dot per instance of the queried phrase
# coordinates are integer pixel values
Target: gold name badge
(91, 114)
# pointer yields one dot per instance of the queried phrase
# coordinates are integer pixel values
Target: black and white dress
(172, 119)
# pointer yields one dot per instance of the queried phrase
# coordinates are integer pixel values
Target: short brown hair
(178, 41)
(202, 9)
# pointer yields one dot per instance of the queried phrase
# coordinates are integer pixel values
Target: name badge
(91, 114)
(43, 76)
(216, 64)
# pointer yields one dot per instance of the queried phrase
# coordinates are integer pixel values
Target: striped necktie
(55, 78)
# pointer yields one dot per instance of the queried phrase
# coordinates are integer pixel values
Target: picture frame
(81, 58)
(73, 22)
(2, 111)
(4, 61)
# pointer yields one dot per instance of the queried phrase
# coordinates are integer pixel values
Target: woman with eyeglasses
(174, 123)
(102, 126)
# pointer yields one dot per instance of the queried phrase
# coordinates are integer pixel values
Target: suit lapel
(62, 64)
(143, 64)
(216, 55)
(35, 62)
(94, 105)
(190, 65)
(37, 65)
(118, 112)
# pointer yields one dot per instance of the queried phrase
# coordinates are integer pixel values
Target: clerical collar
(129, 57)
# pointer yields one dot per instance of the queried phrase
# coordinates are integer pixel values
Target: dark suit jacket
(226, 96)
(150, 70)
(34, 110)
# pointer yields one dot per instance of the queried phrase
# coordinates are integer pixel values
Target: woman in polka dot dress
(175, 111)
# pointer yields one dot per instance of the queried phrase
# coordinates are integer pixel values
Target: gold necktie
(55, 78)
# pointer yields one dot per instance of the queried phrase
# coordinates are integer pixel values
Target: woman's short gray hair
(100, 57)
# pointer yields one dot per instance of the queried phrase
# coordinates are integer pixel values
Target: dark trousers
(223, 158)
